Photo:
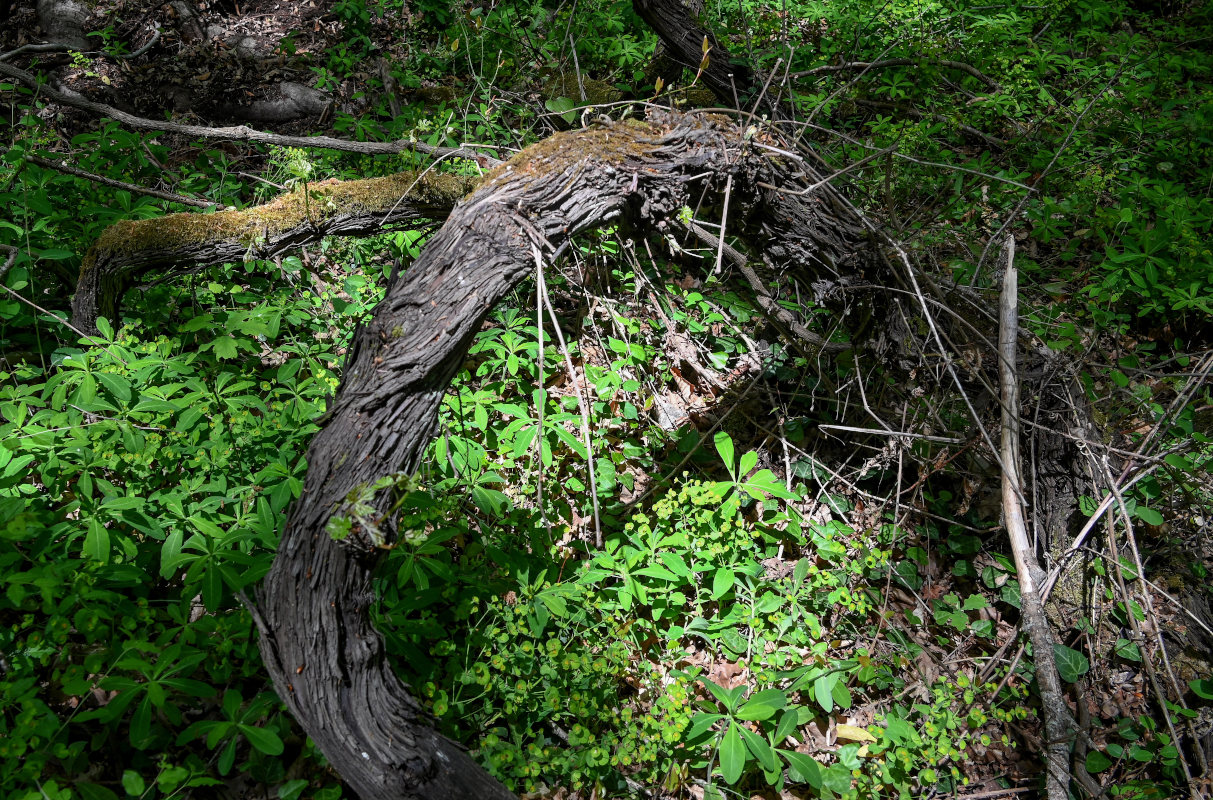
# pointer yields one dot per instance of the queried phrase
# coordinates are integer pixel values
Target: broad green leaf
(729, 698)
(224, 347)
(212, 589)
(170, 551)
(206, 527)
(1149, 516)
(724, 446)
(676, 564)
(1203, 687)
(837, 779)
(263, 739)
(490, 501)
(116, 385)
(1179, 461)
(141, 725)
(654, 571)
(787, 725)
(1097, 762)
(823, 690)
(1071, 664)
(133, 783)
(974, 602)
(760, 748)
(555, 603)
(722, 582)
(899, 731)
(802, 768)
(562, 106)
(105, 328)
(97, 541)
(765, 482)
(197, 323)
(732, 754)
(734, 641)
(748, 462)
(227, 758)
(762, 705)
(569, 439)
(848, 756)
(1127, 650)
(701, 723)
(292, 789)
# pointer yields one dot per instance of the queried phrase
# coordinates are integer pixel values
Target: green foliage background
(144, 474)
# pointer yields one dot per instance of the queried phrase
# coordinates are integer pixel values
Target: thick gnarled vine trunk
(326, 660)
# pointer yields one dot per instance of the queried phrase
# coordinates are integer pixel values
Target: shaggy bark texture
(730, 80)
(326, 660)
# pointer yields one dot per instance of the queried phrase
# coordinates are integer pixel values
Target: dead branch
(1058, 725)
(241, 133)
(180, 242)
(733, 83)
(782, 318)
(129, 187)
(855, 66)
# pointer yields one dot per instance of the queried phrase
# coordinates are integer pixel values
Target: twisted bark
(326, 660)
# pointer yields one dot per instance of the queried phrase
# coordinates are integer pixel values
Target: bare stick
(852, 66)
(777, 313)
(541, 397)
(724, 216)
(581, 401)
(130, 187)
(1053, 707)
(240, 132)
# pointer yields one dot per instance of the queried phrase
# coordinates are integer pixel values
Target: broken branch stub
(326, 660)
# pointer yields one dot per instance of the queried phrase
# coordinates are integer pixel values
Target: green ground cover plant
(769, 611)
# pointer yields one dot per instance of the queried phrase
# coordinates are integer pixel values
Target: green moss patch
(323, 201)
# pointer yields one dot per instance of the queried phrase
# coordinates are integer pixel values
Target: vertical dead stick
(1056, 713)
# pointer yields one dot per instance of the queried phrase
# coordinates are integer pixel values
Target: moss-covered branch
(179, 242)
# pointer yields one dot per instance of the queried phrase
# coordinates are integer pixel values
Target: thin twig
(581, 401)
(8, 263)
(724, 216)
(116, 184)
(897, 154)
(906, 434)
(59, 47)
(780, 316)
(814, 187)
(866, 66)
(541, 395)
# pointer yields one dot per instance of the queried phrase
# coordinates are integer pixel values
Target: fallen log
(326, 660)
